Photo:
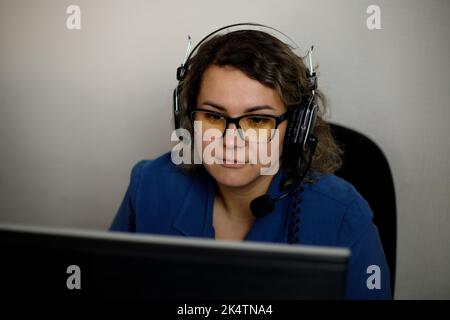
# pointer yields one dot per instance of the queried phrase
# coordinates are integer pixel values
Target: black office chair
(366, 167)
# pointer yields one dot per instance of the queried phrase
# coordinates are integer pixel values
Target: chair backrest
(366, 167)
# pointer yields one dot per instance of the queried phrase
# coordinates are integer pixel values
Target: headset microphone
(263, 205)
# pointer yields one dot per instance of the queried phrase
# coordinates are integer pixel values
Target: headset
(299, 140)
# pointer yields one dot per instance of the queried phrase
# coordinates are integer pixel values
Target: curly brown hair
(273, 63)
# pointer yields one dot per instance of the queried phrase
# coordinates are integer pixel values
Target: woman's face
(230, 92)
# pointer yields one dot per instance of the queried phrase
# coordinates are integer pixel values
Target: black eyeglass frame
(278, 119)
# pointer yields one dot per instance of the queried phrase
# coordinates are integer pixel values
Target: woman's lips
(233, 165)
(229, 163)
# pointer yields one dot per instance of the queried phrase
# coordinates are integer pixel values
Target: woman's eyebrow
(257, 108)
(214, 105)
(251, 109)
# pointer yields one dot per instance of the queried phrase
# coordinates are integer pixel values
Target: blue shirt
(161, 199)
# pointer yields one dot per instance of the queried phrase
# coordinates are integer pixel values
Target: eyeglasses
(252, 127)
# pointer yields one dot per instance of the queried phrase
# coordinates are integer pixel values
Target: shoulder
(347, 218)
(157, 192)
(161, 175)
(161, 164)
(335, 189)
(336, 202)
(151, 169)
(158, 168)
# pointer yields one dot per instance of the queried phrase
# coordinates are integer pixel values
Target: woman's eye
(258, 120)
(213, 117)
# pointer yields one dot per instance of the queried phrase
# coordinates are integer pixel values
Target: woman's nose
(231, 135)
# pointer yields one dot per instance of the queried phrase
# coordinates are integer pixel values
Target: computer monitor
(46, 262)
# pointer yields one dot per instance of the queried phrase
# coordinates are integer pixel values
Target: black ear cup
(294, 122)
(307, 122)
(301, 124)
(176, 108)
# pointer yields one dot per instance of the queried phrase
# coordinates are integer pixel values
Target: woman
(235, 82)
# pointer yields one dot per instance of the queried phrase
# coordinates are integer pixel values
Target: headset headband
(248, 25)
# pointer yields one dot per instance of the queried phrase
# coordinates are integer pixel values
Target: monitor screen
(69, 263)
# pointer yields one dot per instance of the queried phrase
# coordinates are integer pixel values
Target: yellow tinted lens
(210, 120)
(257, 127)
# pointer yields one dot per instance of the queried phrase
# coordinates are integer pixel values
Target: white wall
(79, 108)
